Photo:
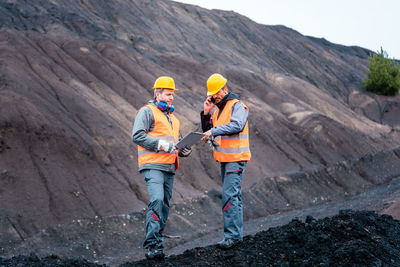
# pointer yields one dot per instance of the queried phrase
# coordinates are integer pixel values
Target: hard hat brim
(211, 93)
(175, 89)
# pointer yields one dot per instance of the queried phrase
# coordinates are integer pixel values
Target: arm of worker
(206, 122)
(144, 123)
(238, 121)
(205, 115)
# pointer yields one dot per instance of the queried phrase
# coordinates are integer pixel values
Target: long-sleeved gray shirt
(144, 123)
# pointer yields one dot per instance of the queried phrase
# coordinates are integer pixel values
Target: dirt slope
(73, 74)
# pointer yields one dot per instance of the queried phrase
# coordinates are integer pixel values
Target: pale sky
(370, 24)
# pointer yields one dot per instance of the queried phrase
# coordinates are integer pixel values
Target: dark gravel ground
(351, 238)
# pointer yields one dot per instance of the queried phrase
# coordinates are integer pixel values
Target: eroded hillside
(73, 75)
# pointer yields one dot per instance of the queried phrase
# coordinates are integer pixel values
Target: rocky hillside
(74, 73)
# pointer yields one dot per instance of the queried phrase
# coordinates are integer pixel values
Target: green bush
(383, 75)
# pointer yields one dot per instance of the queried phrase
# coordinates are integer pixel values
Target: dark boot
(154, 253)
(228, 243)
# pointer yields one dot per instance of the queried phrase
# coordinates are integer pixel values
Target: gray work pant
(159, 186)
(232, 210)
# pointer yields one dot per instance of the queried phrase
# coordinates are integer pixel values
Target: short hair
(157, 91)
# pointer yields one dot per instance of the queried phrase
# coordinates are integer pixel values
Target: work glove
(185, 152)
(212, 142)
(165, 146)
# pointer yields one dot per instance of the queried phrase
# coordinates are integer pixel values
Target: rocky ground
(74, 73)
(351, 238)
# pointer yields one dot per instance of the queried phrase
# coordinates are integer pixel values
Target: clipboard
(189, 140)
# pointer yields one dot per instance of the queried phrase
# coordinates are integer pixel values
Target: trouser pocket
(235, 167)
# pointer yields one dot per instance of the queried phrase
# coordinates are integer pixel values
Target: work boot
(228, 243)
(154, 253)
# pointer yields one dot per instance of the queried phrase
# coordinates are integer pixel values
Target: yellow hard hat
(164, 82)
(215, 83)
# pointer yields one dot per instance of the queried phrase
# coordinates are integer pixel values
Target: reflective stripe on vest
(162, 131)
(231, 147)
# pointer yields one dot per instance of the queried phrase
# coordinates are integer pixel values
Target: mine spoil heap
(73, 74)
(351, 238)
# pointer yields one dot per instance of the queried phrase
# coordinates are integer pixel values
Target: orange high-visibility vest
(162, 131)
(231, 147)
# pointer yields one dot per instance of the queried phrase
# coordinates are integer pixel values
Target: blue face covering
(164, 107)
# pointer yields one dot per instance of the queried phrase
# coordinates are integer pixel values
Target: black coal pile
(351, 238)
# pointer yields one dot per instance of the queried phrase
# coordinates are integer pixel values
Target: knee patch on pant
(232, 203)
(155, 208)
(226, 206)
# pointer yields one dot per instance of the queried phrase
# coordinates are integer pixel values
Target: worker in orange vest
(228, 126)
(156, 131)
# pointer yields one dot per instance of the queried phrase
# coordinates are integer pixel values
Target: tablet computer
(189, 140)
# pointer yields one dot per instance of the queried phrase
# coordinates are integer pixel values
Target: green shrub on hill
(383, 75)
